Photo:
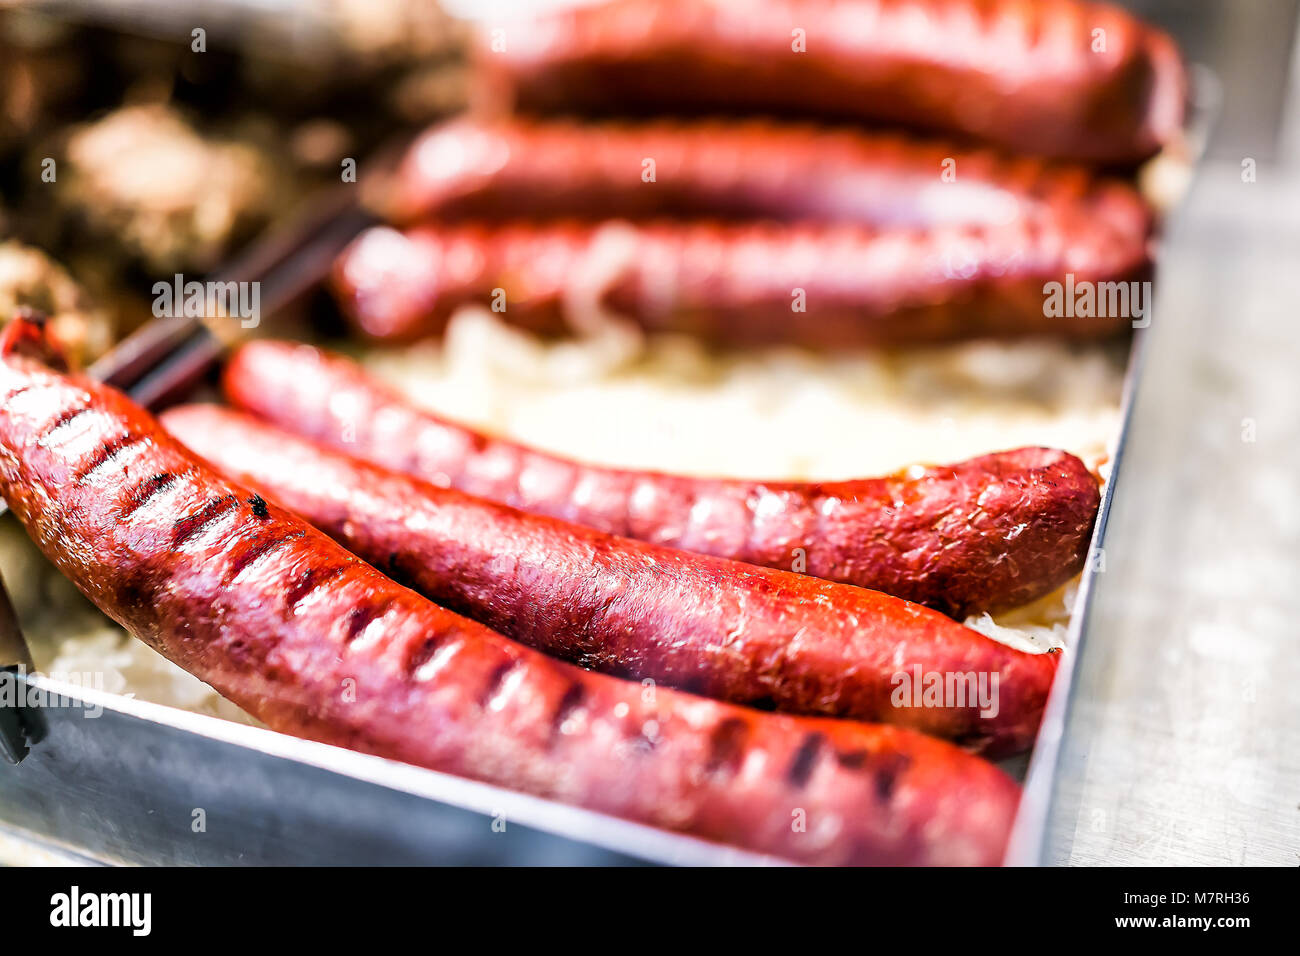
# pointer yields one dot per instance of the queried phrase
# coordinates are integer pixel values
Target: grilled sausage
(821, 286)
(470, 168)
(725, 630)
(986, 534)
(301, 633)
(1063, 78)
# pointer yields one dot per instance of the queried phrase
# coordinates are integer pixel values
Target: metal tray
(114, 780)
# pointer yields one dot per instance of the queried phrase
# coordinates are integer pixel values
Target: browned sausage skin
(1065, 78)
(990, 533)
(729, 631)
(472, 168)
(814, 285)
(302, 634)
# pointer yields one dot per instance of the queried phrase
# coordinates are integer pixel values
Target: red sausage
(302, 634)
(756, 169)
(821, 286)
(990, 533)
(1084, 81)
(729, 631)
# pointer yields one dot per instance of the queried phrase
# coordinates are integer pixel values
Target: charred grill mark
(67, 417)
(568, 706)
(362, 615)
(888, 769)
(191, 525)
(135, 592)
(311, 580)
(805, 759)
(111, 449)
(423, 652)
(727, 747)
(851, 759)
(497, 679)
(260, 549)
(147, 490)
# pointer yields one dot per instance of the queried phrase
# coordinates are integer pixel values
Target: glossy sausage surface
(820, 286)
(990, 533)
(301, 633)
(1084, 81)
(471, 168)
(725, 630)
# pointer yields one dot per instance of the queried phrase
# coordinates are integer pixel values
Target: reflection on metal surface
(129, 781)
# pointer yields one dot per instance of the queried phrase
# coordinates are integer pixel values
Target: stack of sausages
(715, 656)
(865, 172)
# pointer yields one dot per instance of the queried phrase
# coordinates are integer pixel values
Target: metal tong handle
(15, 661)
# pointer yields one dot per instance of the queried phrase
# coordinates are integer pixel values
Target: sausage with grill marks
(472, 168)
(752, 284)
(283, 621)
(1084, 81)
(990, 533)
(725, 630)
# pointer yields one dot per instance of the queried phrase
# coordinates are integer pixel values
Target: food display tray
(114, 780)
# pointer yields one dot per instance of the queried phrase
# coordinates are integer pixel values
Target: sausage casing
(472, 168)
(725, 630)
(821, 286)
(990, 533)
(1064, 78)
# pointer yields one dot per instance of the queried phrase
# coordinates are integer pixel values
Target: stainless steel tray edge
(290, 800)
(1028, 836)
